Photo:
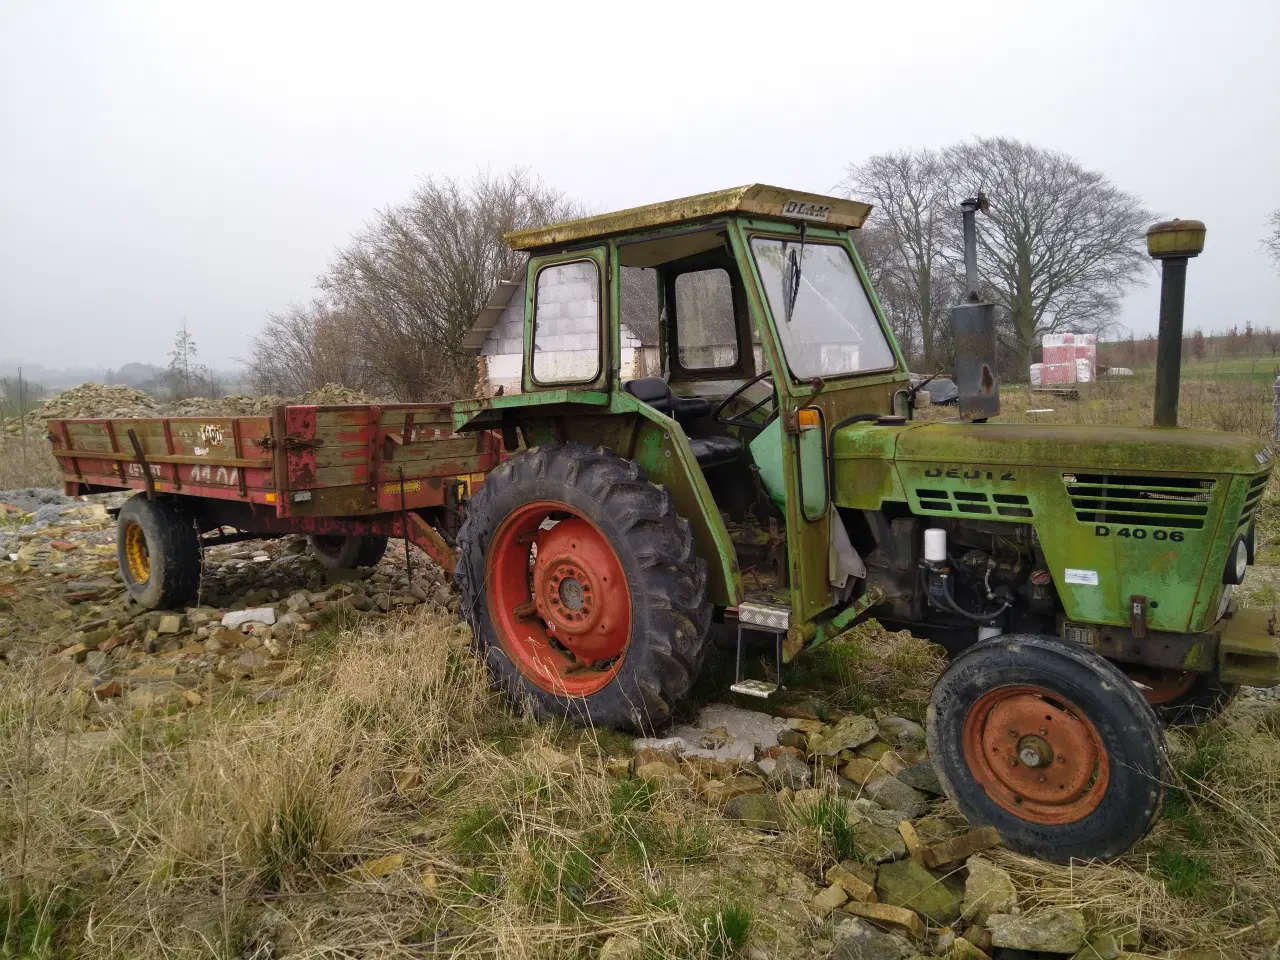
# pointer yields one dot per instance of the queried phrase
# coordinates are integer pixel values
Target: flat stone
(789, 772)
(892, 793)
(1059, 930)
(921, 776)
(169, 624)
(962, 949)
(759, 811)
(878, 843)
(723, 732)
(720, 792)
(854, 886)
(851, 732)
(900, 731)
(905, 883)
(827, 899)
(237, 618)
(988, 889)
(858, 940)
(959, 848)
(663, 772)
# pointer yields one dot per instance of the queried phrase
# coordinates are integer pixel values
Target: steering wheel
(742, 420)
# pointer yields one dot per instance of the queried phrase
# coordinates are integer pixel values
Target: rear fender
(638, 432)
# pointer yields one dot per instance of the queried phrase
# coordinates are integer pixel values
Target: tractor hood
(1070, 446)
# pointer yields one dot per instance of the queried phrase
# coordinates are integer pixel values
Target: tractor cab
(716, 340)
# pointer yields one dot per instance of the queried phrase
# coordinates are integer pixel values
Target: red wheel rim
(1161, 686)
(1036, 755)
(558, 598)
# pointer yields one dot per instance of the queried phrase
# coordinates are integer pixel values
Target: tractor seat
(657, 393)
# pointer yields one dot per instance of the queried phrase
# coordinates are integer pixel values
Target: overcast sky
(171, 160)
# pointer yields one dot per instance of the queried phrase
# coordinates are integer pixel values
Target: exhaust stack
(1173, 243)
(973, 329)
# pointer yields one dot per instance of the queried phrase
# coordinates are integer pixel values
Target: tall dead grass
(388, 806)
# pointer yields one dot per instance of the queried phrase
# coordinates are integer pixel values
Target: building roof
(498, 301)
(756, 198)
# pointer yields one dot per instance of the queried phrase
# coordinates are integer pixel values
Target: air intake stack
(1173, 243)
(973, 329)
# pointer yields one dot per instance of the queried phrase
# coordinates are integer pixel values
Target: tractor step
(755, 688)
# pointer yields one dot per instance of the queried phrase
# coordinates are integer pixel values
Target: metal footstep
(767, 618)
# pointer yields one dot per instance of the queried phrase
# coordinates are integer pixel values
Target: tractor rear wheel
(158, 549)
(343, 552)
(1050, 744)
(582, 587)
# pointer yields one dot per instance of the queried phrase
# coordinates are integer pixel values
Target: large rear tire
(1050, 744)
(339, 552)
(158, 550)
(582, 587)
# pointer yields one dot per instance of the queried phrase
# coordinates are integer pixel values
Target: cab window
(566, 323)
(706, 330)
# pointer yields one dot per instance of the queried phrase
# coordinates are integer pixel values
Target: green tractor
(771, 478)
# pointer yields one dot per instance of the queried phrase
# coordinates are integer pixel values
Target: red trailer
(349, 476)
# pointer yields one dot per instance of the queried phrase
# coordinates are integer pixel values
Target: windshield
(833, 329)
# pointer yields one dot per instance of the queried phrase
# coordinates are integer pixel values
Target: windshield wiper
(791, 277)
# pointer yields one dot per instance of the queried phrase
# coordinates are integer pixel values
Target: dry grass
(390, 806)
(27, 465)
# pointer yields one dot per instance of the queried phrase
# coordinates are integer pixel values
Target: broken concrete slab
(722, 732)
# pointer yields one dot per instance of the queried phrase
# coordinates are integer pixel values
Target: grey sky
(202, 160)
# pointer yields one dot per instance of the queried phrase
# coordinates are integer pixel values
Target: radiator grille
(974, 503)
(1252, 497)
(1140, 501)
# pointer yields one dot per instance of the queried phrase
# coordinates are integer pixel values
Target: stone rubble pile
(258, 598)
(919, 883)
(96, 400)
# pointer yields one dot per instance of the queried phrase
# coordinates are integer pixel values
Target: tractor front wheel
(582, 587)
(1050, 744)
(1182, 698)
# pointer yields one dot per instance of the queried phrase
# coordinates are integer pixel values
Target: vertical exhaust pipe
(973, 330)
(1173, 243)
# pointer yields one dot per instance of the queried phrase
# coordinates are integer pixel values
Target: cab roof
(757, 199)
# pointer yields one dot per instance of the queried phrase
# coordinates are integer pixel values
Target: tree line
(1060, 247)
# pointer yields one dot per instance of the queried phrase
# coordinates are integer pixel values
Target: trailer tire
(1050, 744)
(158, 549)
(606, 622)
(347, 552)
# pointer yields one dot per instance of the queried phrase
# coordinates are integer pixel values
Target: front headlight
(1237, 563)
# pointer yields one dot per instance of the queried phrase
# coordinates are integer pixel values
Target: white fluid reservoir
(935, 545)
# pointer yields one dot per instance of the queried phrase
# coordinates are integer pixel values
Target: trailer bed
(298, 462)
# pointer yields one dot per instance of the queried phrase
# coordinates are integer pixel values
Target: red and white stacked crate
(1068, 358)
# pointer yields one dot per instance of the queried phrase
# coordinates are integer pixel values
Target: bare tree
(1062, 243)
(414, 281)
(910, 193)
(306, 347)
(187, 378)
(1271, 242)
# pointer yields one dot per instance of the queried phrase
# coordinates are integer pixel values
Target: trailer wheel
(1183, 699)
(343, 552)
(1050, 744)
(158, 549)
(582, 587)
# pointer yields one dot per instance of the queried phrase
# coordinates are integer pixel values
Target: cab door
(567, 335)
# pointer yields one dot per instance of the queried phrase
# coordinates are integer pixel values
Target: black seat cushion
(712, 450)
(658, 394)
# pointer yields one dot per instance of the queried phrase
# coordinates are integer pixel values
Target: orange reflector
(809, 418)
(270, 497)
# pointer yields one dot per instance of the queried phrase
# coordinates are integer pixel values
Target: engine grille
(1252, 497)
(974, 502)
(1181, 502)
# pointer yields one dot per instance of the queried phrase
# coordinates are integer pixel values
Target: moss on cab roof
(756, 199)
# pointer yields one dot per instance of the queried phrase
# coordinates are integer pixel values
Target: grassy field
(391, 806)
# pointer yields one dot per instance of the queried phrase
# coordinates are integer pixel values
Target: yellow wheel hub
(136, 554)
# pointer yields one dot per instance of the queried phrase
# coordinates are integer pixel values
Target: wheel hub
(559, 598)
(1036, 755)
(137, 556)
